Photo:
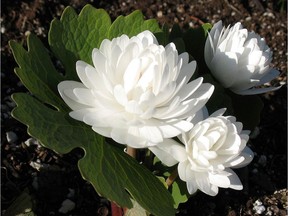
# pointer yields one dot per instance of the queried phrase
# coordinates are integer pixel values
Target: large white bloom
(211, 148)
(136, 92)
(239, 59)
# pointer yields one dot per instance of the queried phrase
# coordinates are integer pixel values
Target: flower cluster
(140, 94)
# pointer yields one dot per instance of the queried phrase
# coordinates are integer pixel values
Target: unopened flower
(238, 59)
(137, 92)
(211, 148)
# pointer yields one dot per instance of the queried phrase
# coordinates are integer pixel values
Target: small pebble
(159, 14)
(269, 14)
(32, 141)
(248, 18)
(36, 165)
(11, 137)
(67, 205)
(3, 29)
(259, 208)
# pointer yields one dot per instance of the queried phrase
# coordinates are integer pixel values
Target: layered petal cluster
(211, 148)
(239, 59)
(137, 92)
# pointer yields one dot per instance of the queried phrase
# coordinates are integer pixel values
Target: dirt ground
(49, 179)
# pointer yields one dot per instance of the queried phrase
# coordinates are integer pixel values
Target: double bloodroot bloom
(207, 154)
(136, 92)
(239, 59)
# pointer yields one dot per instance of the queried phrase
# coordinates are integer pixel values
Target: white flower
(211, 148)
(136, 92)
(239, 59)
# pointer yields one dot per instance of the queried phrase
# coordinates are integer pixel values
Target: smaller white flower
(239, 59)
(211, 148)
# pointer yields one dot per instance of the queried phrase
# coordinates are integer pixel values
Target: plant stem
(131, 151)
(116, 210)
(172, 177)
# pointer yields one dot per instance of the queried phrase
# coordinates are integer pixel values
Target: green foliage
(194, 39)
(132, 25)
(37, 72)
(179, 192)
(113, 173)
(74, 37)
(219, 99)
(178, 188)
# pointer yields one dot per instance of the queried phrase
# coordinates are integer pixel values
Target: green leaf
(176, 32)
(178, 189)
(74, 37)
(194, 39)
(163, 36)
(132, 25)
(179, 192)
(113, 173)
(36, 71)
(220, 98)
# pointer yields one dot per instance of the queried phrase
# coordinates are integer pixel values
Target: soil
(51, 178)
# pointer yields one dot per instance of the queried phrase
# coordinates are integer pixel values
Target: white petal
(235, 182)
(82, 68)
(248, 155)
(85, 96)
(190, 88)
(151, 133)
(182, 170)
(219, 112)
(174, 128)
(169, 152)
(224, 67)
(65, 85)
(192, 186)
(119, 135)
(80, 114)
(99, 61)
(120, 95)
(187, 70)
(132, 74)
(104, 131)
(219, 180)
(254, 91)
(204, 185)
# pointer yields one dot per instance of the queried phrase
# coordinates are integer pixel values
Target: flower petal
(73, 104)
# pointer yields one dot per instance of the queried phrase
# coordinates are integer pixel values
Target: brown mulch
(265, 179)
